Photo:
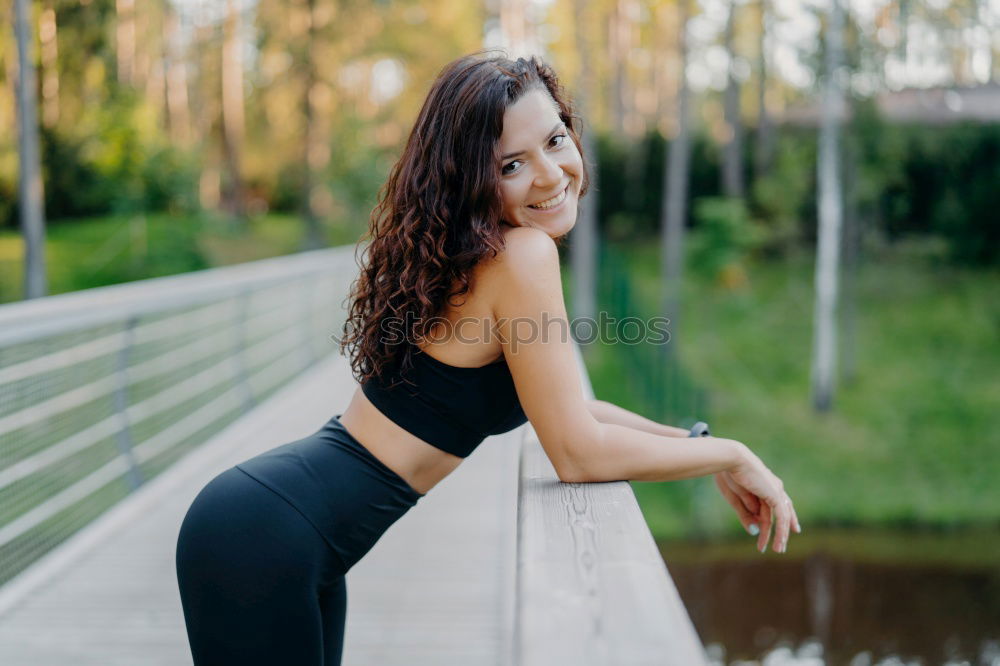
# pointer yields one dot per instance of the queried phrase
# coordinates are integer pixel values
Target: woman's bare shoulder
(523, 248)
(527, 252)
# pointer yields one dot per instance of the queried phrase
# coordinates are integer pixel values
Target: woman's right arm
(531, 321)
(623, 453)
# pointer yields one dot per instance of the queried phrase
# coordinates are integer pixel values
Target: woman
(444, 330)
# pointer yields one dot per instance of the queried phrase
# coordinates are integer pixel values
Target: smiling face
(541, 171)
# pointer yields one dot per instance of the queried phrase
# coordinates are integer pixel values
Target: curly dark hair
(440, 210)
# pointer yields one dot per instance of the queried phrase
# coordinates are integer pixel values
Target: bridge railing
(101, 390)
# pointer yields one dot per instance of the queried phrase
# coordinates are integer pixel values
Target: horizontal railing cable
(100, 390)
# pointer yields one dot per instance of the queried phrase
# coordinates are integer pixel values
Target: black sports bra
(451, 407)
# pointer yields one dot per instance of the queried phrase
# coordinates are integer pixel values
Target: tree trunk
(632, 121)
(178, 113)
(852, 249)
(732, 164)
(993, 62)
(617, 40)
(987, 19)
(141, 50)
(206, 106)
(765, 130)
(314, 235)
(583, 239)
(674, 206)
(830, 212)
(30, 187)
(659, 46)
(514, 27)
(233, 125)
(125, 40)
(154, 59)
(50, 66)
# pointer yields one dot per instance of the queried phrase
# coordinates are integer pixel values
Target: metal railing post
(247, 397)
(123, 438)
(306, 321)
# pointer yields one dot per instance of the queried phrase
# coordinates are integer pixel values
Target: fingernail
(753, 529)
(764, 549)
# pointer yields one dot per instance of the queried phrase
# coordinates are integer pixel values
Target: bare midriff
(419, 463)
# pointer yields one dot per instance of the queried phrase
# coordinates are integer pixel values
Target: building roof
(937, 106)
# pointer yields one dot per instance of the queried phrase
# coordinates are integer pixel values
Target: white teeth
(554, 201)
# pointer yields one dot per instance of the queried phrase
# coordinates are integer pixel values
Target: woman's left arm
(606, 412)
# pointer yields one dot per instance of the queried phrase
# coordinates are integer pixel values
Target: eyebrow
(521, 152)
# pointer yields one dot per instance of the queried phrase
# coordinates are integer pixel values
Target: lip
(554, 208)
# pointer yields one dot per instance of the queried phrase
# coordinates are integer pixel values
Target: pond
(851, 597)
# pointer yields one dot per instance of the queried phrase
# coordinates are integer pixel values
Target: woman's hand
(745, 503)
(759, 498)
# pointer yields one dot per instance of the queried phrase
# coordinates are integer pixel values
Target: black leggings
(258, 584)
(261, 568)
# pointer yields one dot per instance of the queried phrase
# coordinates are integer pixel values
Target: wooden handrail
(592, 588)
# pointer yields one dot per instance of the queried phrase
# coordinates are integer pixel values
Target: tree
(233, 124)
(583, 248)
(830, 213)
(620, 43)
(31, 189)
(316, 153)
(516, 28)
(732, 163)
(674, 208)
(49, 65)
(125, 40)
(764, 145)
(178, 116)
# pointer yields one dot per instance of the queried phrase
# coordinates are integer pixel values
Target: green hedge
(906, 180)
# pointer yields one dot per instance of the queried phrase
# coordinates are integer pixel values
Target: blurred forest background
(179, 135)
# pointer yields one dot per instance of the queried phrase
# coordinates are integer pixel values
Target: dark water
(853, 598)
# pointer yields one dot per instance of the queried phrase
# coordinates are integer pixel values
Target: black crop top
(451, 408)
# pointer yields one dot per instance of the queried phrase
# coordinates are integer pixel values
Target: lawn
(94, 252)
(912, 438)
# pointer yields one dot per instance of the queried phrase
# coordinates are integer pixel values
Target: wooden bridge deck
(438, 588)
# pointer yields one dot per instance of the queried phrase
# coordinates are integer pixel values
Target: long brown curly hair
(440, 210)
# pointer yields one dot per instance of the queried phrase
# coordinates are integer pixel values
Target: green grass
(93, 252)
(912, 439)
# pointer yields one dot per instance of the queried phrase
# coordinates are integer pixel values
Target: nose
(550, 173)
